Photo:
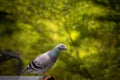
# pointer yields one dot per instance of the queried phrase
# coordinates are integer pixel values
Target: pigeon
(44, 61)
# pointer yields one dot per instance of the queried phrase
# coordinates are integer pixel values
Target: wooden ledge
(19, 78)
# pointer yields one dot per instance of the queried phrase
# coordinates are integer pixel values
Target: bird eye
(62, 45)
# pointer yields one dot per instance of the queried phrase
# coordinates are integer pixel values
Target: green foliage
(90, 30)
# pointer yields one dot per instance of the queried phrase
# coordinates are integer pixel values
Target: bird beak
(65, 48)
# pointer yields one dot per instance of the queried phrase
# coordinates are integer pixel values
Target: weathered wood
(19, 78)
(23, 78)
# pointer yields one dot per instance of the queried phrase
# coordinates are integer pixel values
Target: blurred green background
(89, 28)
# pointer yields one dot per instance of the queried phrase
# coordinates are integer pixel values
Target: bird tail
(22, 72)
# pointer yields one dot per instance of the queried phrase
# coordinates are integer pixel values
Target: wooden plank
(19, 78)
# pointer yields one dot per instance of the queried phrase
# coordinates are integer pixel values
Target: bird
(45, 61)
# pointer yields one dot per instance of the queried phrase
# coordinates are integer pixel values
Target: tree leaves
(90, 29)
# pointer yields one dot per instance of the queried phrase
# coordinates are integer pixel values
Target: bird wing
(42, 61)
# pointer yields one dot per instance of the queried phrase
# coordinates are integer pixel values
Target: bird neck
(55, 52)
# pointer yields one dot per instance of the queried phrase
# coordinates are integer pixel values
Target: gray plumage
(44, 61)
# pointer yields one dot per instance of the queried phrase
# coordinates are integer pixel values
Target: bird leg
(45, 77)
(46, 74)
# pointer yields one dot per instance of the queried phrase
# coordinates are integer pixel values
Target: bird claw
(45, 77)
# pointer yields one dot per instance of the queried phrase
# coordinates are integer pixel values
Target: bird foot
(45, 77)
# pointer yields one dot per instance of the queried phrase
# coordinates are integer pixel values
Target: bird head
(61, 47)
